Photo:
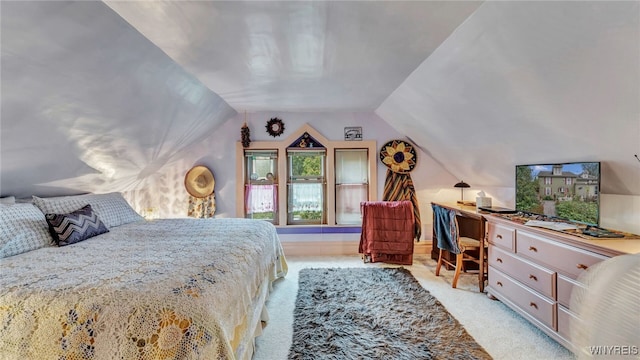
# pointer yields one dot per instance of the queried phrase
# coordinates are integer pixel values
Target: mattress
(162, 289)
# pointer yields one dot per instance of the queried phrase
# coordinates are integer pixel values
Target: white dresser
(534, 270)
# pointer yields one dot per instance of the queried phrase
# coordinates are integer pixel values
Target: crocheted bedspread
(162, 289)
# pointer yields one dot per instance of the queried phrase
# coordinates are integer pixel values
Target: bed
(161, 289)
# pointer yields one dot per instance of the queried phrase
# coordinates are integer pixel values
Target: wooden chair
(465, 249)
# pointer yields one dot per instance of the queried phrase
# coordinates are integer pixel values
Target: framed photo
(352, 133)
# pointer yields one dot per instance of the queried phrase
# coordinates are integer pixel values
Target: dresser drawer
(502, 236)
(534, 276)
(532, 303)
(565, 319)
(568, 260)
(565, 288)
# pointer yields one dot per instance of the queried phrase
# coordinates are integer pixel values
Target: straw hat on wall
(199, 181)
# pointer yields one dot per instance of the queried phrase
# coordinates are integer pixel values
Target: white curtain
(306, 197)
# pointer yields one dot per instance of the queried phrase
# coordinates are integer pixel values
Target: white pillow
(9, 200)
(22, 228)
(112, 208)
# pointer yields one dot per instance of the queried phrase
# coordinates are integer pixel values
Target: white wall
(620, 212)
(432, 181)
(526, 82)
(217, 152)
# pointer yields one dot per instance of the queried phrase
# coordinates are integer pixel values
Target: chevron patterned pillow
(76, 226)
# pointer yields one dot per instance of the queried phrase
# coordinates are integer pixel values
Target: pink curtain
(348, 199)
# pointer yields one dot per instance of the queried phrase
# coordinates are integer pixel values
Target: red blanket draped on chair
(387, 232)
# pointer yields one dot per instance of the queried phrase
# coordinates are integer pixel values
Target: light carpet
(374, 313)
(500, 331)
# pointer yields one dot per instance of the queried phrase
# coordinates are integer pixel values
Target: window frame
(330, 146)
(338, 184)
(247, 181)
(320, 179)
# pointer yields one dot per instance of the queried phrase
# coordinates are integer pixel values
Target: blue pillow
(75, 226)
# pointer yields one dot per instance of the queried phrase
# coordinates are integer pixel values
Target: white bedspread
(162, 289)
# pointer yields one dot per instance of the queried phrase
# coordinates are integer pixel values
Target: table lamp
(462, 185)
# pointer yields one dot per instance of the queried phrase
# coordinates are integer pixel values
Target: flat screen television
(569, 191)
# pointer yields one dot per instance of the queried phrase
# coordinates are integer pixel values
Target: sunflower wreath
(399, 156)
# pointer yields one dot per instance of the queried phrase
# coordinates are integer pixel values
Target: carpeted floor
(500, 331)
(374, 313)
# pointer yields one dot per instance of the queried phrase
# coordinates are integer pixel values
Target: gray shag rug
(374, 313)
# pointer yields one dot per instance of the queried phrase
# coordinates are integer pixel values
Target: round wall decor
(275, 127)
(199, 181)
(399, 156)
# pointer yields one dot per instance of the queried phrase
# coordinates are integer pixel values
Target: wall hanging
(245, 135)
(400, 158)
(275, 127)
(352, 133)
(199, 183)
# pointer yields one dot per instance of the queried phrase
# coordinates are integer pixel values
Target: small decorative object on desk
(462, 185)
(482, 200)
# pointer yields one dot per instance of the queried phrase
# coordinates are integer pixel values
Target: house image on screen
(557, 184)
(566, 185)
(586, 187)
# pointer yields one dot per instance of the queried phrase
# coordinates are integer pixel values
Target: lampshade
(462, 185)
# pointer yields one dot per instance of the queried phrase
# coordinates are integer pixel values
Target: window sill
(319, 229)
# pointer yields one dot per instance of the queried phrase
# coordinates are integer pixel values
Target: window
(306, 187)
(352, 184)
(547, 181)
(568, 181)
(547, 191)
(316, 181)
(261, 186)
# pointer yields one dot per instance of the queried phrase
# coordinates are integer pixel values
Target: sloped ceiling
(314, 56)
(111, 92)
(89, 104)
(530, 82)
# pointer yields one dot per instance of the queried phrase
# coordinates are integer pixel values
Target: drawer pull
(582, 266)
(499, 236)
(533, 305)
(499, 283)
(533, 277)
(499, 260)
(531, 248)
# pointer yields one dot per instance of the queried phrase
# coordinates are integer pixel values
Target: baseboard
(329, 248)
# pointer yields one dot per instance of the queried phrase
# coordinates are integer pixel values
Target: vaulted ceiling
(479, 86)
(298, 55)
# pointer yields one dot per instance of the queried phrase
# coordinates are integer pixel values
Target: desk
(471, 224)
